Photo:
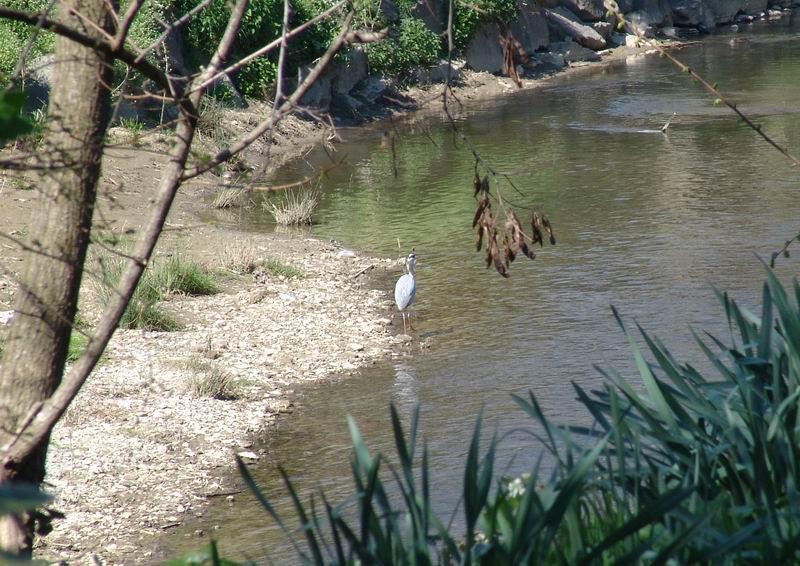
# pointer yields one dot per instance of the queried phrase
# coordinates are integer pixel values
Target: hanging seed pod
(493, 254)
(508, 248)
(549, 229)
(484, 207)
(485, 185)
(476, 185)
(479, 241)
(536, 229)
(518, 236)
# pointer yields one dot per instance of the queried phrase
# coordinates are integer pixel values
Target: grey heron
(405, 289)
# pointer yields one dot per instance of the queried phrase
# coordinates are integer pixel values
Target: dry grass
(295, 207)
(239, 256)
(232, 197)
(211, 382)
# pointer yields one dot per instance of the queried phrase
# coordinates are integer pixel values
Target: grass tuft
(162, 278)
(277, 268)
(211, 382)
(239, 256)
(294, 208)
(180, 276)
(133, 125)
(232, 197)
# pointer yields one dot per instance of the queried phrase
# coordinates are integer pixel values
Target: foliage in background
(261, 25)
(15, 35)
(146, 27)
(412, 44)
(12, 124)
(681, 468)
(467, 16)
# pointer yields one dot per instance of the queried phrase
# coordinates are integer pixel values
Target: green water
(646, 222)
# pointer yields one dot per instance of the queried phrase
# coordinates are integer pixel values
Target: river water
(646, 222)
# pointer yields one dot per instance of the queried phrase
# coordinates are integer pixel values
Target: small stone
(248, 454)
(356, 347)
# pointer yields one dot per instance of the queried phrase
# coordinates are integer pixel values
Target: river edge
(136, 454)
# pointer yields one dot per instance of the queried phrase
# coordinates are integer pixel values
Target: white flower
(516, 487)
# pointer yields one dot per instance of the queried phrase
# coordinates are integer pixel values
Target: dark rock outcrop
(339, 79)
(433, 13)
(692, 13)
(483, 51)
(571, 26)
(530, 28)
(586, 10)
(573, 53)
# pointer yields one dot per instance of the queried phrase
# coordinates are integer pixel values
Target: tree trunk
(47, 293)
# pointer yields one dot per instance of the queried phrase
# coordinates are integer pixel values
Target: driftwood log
(582, 34)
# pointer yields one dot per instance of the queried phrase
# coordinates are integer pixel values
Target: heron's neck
(411, 270)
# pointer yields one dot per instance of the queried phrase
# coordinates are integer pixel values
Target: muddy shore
(138, 452)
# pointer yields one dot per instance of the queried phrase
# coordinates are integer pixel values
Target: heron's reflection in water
(405, 388)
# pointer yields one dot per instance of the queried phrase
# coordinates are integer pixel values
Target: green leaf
(19, 497)
(12, 125)
(206, 556)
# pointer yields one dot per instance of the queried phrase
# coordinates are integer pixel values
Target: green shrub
(77, 344)
(142, 311)
(146, 27)
(413, 45)
(466, 18)
(261, 25)
(15, 35)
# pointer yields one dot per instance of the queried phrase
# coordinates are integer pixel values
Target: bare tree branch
(282, 55)
(125, 24)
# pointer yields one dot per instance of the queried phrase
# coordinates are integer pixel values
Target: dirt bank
(140, 451)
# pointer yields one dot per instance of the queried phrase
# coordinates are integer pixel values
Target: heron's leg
(405, 331)
(410, 326)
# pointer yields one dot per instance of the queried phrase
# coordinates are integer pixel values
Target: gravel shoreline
(137, 453)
